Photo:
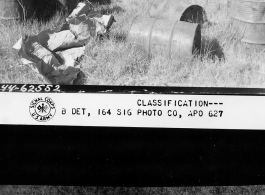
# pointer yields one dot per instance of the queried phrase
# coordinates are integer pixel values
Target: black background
(42, 155)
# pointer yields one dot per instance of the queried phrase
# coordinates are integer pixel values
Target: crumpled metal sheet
(57, 68)
(55, 53)
(83, 9)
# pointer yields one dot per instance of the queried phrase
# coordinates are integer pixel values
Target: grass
(113, 62)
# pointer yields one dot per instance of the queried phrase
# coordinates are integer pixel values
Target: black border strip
(137, 89)
(136, 157)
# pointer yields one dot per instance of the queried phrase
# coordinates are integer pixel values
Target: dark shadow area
(100, 2)
(120, 37)
(44, 10)
(106, 9)
(2, 52)
(211, 48)
(81, 79)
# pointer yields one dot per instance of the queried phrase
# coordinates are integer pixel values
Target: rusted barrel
(15, 10)
(249, 17)
(10, 10)
(178, 10)
(172, 38)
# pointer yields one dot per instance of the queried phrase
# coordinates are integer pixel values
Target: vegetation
(112, 61)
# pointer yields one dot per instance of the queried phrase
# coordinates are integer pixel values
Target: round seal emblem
(42, 109)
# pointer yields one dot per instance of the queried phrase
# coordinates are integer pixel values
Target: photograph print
(128, 43)
(176, 43)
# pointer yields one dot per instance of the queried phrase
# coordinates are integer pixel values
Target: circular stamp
(42, 109)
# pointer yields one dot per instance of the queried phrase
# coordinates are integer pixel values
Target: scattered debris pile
(56, 54)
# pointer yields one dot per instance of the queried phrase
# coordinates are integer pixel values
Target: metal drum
(15, 10)
(178, 10)
(10, 10)
(248, 16)
(171, 38)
